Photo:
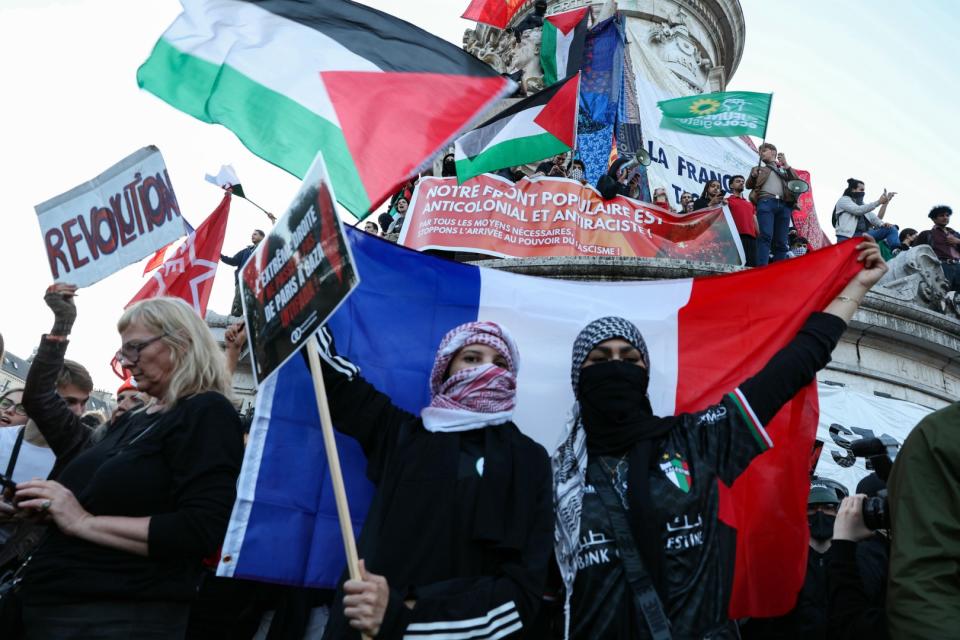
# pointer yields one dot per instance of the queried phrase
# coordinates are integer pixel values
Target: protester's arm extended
(234, 261)
(495, 606)
(60, 427)
(796, 365)
(357, 408)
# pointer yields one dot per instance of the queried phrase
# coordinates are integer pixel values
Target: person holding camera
(857, 576)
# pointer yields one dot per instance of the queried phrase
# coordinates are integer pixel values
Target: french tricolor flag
(705, 335)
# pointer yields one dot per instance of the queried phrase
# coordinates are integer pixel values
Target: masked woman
(457, 539)
(638, 543)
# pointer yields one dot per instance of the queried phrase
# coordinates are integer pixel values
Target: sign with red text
(123, 215)
(559, 217)
(299, 274)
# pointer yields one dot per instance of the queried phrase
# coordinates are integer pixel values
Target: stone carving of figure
(916, 276)
(527, 59)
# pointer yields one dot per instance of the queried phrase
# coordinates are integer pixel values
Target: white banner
(124, 214)
(847, 416)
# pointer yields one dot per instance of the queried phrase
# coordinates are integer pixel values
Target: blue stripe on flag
(390, 327)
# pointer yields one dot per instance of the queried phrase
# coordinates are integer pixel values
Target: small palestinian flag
(561, 46)
(677, 471)
(496, 13)
(377, 95)
(535, 128)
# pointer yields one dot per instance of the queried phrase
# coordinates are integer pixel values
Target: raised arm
(358, 409)
(61, 428)
(796, 365)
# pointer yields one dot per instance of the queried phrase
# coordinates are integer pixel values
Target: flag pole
(333, 462)
(269, 215)
(766, 123)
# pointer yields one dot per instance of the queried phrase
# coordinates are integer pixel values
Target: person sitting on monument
(614, 182)
(459, 532)
(237, 260)
(945, 242)
(774, 202)
(660, 198)
(533, 20)
(686, 202)
(371, 227)
(640, 549)
(712, 196)
(852, 217)
(401, 209)
(577, 171)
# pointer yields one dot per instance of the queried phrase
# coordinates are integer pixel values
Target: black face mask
(614, 405)
(449, 169)
(821, 525)
(857, 197)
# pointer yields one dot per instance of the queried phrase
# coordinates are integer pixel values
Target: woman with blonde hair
(137, 511)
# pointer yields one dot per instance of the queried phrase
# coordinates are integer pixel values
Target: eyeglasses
(7, 404)
(129, 354)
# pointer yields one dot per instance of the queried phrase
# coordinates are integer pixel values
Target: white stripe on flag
(562, 309)
(265, 47)
(247, 483)
(563, 52)
(521, 125)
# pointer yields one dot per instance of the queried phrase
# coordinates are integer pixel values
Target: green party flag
(724, 115)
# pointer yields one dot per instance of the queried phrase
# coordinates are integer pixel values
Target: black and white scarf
(570, 460)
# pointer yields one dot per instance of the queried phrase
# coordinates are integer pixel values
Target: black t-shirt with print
(718, 442)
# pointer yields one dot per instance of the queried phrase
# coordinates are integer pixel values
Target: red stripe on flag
(731, 327)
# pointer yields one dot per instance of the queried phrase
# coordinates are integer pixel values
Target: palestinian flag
(538, 127)
(496, 13)
(561, 47)
(378, 96)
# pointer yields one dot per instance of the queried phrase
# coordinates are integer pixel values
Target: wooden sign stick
(333, 461)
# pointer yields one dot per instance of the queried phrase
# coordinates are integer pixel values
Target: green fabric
(725, 115)
(923, 598)
(273, 126)
(548, 53)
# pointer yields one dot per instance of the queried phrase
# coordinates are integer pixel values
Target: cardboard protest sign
(298, 276)
(124, 214)
(559, 217)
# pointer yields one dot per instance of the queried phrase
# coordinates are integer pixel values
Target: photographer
(855, 611)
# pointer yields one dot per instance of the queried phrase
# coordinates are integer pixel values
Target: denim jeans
(890, 235)
(773, 217)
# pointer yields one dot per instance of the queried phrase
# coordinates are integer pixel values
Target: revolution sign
(297, 277)
(124, 214)
(559, 217)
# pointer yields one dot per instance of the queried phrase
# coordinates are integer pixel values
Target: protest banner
(559, 217)
(124, 214)
(297, 277)
(847, 416)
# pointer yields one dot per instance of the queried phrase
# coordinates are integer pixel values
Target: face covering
(614, 405)
(857, 197)
(821, 525)
(576, 173)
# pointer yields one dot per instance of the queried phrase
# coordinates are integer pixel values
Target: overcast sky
(863, 89)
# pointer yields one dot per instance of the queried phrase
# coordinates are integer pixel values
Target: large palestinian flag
(705, 337)
(377, 95)
(535, 128)
(561, 46)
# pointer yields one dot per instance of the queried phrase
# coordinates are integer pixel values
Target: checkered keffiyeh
(570, 460)
(475, 397)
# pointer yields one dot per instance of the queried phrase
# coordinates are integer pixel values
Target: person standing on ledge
(774, 202)
(238, 259)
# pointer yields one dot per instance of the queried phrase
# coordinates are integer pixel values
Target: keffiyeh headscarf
(570, 460)
(475, 397)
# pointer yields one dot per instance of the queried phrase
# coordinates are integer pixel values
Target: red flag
(189, 273)
(767, 503)
(496, 13)
(157, 259)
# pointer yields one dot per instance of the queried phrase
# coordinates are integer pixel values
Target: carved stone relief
(916, 276)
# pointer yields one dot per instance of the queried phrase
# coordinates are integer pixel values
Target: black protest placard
(298, 276)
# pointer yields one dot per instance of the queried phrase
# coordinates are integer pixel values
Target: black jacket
(238, 259)
(421, 531)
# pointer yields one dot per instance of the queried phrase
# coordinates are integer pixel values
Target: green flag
(724, 115)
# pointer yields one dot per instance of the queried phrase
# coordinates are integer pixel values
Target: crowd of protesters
(108, 529)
